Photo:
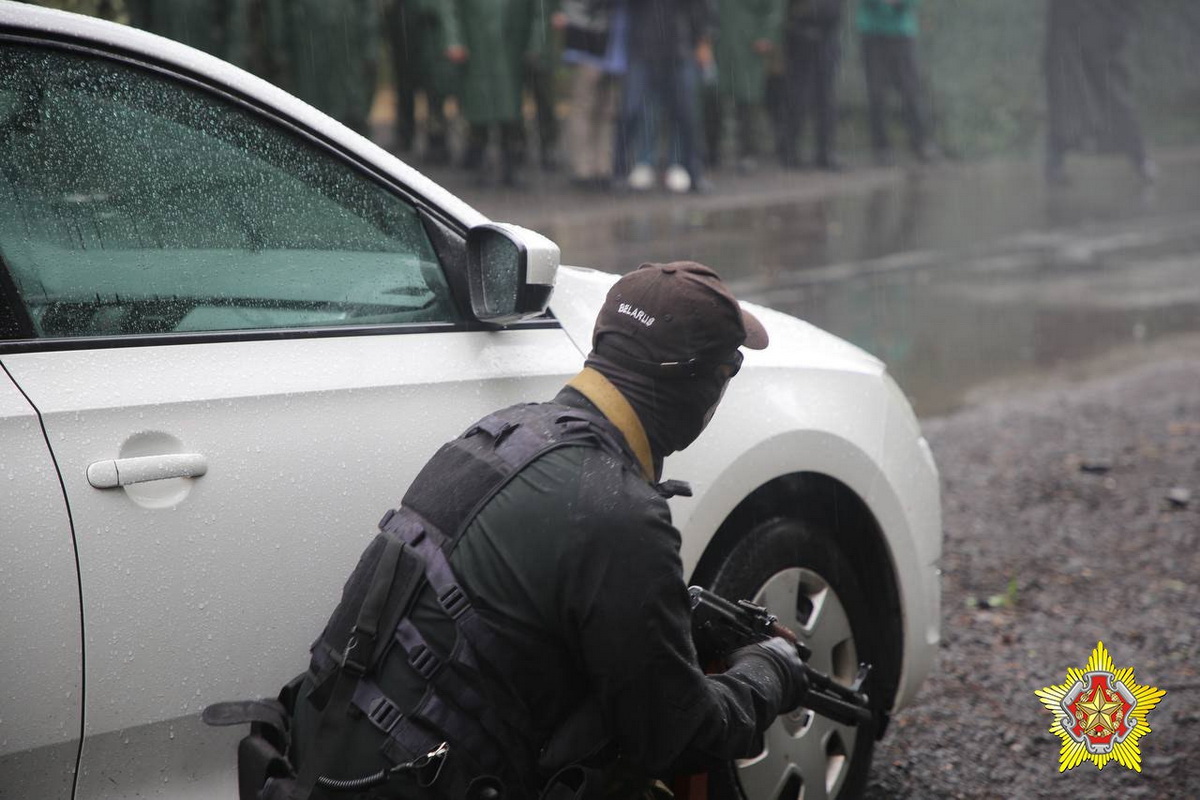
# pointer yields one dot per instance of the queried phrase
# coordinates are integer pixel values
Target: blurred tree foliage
(983, 66)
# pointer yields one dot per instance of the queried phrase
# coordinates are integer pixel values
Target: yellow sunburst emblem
(1100, 713)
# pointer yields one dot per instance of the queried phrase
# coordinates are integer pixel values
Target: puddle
(955, 276)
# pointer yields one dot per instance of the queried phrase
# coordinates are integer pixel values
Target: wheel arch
(829, 503)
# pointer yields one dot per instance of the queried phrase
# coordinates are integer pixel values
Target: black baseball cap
(675, 313)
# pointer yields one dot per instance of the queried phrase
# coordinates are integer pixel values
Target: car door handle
(124, 471)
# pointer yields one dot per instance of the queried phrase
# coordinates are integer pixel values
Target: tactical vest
(468, 737)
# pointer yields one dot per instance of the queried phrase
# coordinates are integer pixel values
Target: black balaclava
(672, 410)
(668, 338)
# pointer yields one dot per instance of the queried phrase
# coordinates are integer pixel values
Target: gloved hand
(778, 656)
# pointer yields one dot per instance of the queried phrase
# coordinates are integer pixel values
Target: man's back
(534, 560)
(575, 565)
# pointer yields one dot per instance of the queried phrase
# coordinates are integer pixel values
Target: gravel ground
(1061, 532)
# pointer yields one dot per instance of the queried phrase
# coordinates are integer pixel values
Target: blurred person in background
(747, 34)
(1088, 92)
(888, 30)
(490, 39)
(669, 44)
(812, 53)
(541, 64)
(326, 53)
(417, 44)
(219, 27)
(595, 47)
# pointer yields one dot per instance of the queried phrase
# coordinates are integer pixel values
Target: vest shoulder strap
(466, 472)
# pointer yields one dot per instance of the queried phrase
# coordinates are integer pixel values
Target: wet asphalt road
(956, 275)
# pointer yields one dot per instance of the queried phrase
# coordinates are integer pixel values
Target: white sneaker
(641, 177)
(677, 179)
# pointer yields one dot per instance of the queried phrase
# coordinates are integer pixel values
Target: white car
(231, 331)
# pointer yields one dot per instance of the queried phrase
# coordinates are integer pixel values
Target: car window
(131, 203)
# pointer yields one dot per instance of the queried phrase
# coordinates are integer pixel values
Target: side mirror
(510, 271)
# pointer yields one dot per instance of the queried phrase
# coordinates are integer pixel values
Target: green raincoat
(421, 28)
(326, 53)
(741, 71)
(496, 35)
(218, 27)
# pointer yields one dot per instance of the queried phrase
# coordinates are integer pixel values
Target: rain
(997, 199)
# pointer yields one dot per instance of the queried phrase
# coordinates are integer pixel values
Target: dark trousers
(1089, 91)
(539, 79)
(812, 59)
(409, 76)
(668, 84)
(404, 67)
(745, 131)
(1091, 84)
(512, 143)
(437, 146)
(891, 62)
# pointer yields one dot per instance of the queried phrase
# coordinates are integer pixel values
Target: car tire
(794, 569)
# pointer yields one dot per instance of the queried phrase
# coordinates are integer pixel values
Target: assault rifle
(720, 626)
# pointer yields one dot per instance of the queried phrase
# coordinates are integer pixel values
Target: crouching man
(520, 626)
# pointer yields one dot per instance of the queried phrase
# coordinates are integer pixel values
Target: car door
(242, 344)
(41, 666)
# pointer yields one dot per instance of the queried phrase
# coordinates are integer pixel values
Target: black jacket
(803, 16)
(664, 30)
(576, 563)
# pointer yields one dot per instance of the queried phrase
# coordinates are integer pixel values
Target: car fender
(900, 491)
(809, 402)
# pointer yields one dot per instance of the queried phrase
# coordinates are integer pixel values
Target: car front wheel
(796, 571)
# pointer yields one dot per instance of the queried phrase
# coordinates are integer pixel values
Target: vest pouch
(330, 736)
(577, 782)
(263, 755)
(279, 789)
(259, 761)
(582, 782)
(338, 630)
